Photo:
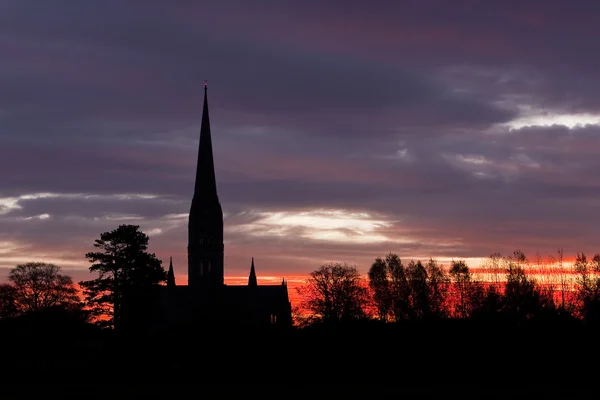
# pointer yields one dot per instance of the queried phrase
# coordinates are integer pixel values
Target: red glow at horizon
(292, 282)
(544, 274)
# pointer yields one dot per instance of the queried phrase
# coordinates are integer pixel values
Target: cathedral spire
(206, 185)
(171, 274)
(252, 277)
(205, 226)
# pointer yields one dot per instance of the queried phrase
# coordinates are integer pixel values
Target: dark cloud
(399, 110)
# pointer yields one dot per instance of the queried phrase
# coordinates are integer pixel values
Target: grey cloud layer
(396, 110)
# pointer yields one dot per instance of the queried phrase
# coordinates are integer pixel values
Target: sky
(342, 130)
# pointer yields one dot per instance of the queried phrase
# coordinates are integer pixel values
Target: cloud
(328, 225)
(340, 131)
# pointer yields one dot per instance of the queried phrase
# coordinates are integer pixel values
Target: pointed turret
(205, 227)
(171, 274)
(252, 277)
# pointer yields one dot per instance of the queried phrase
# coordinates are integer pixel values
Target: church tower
(205, 225)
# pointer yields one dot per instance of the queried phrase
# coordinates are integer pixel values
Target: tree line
(395, 291)
(121, 263)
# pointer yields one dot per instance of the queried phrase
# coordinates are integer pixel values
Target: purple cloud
(341, 131)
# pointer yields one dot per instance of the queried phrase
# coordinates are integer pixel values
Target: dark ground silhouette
(472, 359)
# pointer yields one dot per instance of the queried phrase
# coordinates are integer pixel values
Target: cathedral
(206, 297)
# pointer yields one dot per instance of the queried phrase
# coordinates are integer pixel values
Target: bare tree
(561, 276)
(335, 292)
(518, 259)
(595, 265)
(587, 287)
(493, 268)
(546, 276)
(552, 270)
(39, 285)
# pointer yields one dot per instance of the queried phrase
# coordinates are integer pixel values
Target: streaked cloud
(328, 225)
(41, 216)
(8, 204)
(548, 118)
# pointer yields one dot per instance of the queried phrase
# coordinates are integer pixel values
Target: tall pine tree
(122, 264)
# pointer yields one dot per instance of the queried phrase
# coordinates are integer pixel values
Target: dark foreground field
(232, 390)
(449, 359)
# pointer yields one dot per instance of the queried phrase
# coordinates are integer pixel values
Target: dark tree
(8, 301)
(38, 286)
(487, 302)
(522, 299)
(587, 287)
(437, 287)
(518, 259)
(380, 285)
(334, 293)
(461, 278)
(389, 285)
(467, 294)
(123, 266)
(562, 278)
(399, 287)
(416, 275)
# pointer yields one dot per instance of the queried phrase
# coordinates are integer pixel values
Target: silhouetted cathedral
(206, 297)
